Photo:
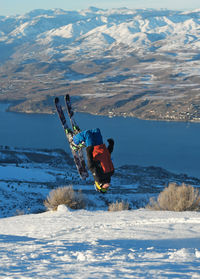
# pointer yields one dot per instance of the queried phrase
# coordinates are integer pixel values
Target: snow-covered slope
(27, 176)
(91, 243)
(99, 244)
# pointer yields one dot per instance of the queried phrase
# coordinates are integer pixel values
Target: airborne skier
(98, 157)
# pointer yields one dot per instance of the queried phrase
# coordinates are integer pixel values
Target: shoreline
(9, 106)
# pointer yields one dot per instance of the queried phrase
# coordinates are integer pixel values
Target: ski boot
(74, 146)
(76, 129)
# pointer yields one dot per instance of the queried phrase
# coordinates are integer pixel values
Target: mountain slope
(141, 63)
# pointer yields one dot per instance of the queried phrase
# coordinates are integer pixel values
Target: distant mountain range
(142, 63)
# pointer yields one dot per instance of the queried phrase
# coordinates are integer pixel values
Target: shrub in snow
(19, 212)
(67, 196)
(118, 206)
(177, 198)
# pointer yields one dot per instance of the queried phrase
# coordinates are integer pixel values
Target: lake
(172, 145)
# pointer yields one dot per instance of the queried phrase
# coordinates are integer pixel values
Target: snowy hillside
(27, 176)
(98, 244)
(142, 63)
(95, 242)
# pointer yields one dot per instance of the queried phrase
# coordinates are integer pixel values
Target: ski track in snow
(100, 244)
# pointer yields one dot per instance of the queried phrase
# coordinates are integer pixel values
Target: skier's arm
(110, 145)
(90, 161)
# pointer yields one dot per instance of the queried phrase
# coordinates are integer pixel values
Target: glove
(110, 141)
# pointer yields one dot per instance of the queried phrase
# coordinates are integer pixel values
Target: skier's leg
(90, 137)
(80, 137)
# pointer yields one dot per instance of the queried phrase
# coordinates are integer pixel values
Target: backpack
(101, 154)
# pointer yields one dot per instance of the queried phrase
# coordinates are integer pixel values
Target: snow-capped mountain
(138, 59)
(96, 29)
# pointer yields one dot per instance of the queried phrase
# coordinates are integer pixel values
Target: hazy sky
(12, 7)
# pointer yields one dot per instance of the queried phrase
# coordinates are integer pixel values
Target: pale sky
(13, 7)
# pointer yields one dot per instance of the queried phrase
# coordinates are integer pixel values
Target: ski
(69, 134)
(76, 130)
(70, 112)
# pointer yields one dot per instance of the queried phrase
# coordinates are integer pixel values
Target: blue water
(172, 145)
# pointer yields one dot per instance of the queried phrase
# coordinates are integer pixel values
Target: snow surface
(91, 243)
(24, 174)
(100, 244)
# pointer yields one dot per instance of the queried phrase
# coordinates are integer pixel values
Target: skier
(98, 156)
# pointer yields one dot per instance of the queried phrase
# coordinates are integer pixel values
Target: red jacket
(100, 153)
(99, 161)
